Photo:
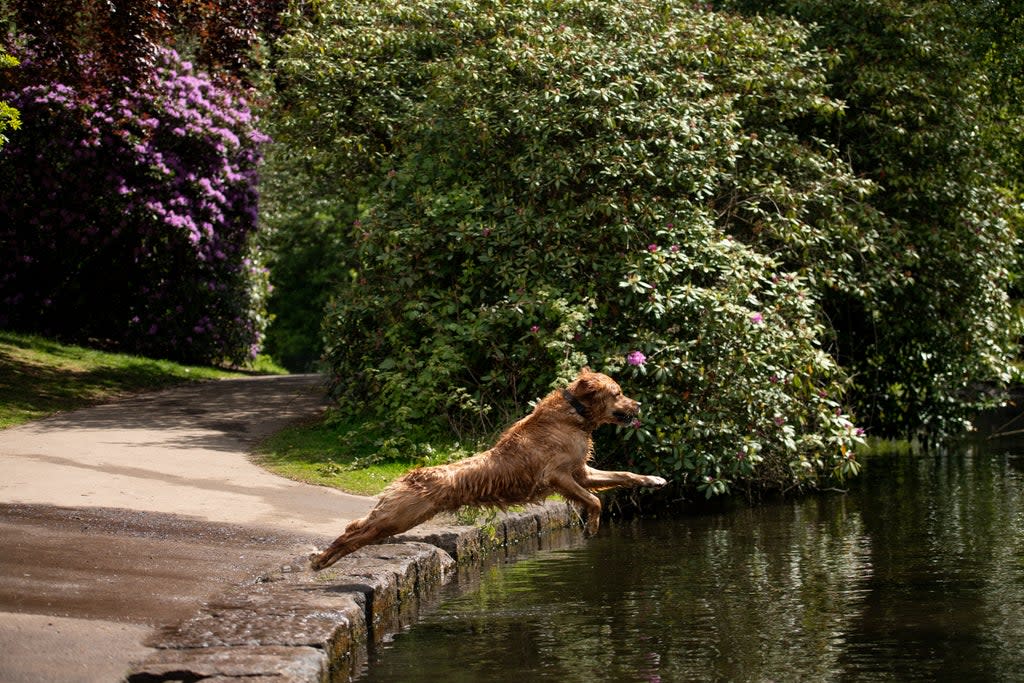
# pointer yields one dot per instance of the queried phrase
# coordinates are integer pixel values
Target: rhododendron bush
(126, 215)
(560, 183)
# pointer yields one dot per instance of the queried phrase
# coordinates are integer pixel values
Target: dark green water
(916, 574)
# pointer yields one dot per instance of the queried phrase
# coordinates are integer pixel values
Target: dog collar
(575, 403)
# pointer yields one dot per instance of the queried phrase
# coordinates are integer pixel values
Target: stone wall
(295, 626)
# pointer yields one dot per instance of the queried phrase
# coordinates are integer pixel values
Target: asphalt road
(120, 520)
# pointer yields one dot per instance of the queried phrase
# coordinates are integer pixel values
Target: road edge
(304, 627)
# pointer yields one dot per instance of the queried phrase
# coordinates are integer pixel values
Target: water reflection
(916, 574)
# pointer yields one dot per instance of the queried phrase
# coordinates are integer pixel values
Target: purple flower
(636, 358)
(534, 329)
(652, 248)
(756, 318)
(674, 248)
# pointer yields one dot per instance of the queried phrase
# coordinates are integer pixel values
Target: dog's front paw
(655, 482)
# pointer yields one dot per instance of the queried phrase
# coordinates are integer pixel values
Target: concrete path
(119, 520)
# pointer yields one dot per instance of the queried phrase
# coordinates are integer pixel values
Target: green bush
(929, 344)
(9, 118)
(559, 183)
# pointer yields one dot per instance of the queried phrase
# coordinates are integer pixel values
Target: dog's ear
(584, 385)
(585, 370)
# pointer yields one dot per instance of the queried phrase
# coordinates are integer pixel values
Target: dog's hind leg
(356, 536)
(394, 513)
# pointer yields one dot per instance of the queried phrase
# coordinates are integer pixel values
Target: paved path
(121, 519)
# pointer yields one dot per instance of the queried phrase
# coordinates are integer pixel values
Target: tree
(154, 166)
(118, 39)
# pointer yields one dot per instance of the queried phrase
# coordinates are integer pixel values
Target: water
(916, 574)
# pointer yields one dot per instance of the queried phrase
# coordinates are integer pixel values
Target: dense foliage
(550, 184)
(9, 117)
(124, 38)
(125, 215)
(930, 342)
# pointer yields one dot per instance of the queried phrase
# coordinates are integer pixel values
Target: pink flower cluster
(127, 216)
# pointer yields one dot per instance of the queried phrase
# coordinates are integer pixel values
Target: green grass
(40, 377)
(348, 454)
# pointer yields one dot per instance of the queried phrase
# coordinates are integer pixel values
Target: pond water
(917, 573)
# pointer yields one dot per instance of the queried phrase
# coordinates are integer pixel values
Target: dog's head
(602, 399)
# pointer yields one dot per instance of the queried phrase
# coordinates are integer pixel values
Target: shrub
(9, 118)
(559, 183)
(930, 343)
(126, 213)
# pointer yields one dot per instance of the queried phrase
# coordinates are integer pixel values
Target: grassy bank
(40, 377)
(349, 454)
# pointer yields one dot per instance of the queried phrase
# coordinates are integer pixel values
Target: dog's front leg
(596, 480)
(564, 483)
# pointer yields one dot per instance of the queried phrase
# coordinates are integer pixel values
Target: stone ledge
(305, 627)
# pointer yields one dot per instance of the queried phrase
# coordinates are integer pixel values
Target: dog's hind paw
(314, 560)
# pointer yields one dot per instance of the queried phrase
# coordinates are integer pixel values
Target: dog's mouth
(623, 417)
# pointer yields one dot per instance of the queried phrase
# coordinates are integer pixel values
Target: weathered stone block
(283, 614)
(284, 664)
(392, 578)
(298, 625)
(462, 543)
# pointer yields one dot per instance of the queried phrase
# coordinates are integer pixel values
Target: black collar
(575, 403)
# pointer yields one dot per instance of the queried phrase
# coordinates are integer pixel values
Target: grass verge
(40, 377)
(349, 454)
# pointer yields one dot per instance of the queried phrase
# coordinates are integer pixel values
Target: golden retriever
(545, 452)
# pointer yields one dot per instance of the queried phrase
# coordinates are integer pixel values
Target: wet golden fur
(545, 452)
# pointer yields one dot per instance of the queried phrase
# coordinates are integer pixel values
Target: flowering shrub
(553, 184)
(125, 216)
(728, 365)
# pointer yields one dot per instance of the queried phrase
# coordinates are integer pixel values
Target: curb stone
(296, 626)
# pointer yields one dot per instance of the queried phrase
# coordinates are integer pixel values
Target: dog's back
(515, 471)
